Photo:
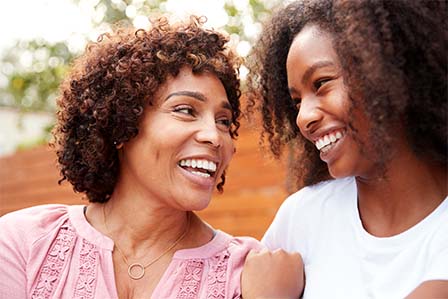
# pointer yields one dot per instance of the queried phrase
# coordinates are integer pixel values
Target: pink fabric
(51, 251)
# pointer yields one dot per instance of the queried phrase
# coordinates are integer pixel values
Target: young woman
(145, 129)
(357, 90)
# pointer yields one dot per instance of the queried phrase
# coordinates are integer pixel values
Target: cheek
(298, 124)
(229, 150)
(342, 104)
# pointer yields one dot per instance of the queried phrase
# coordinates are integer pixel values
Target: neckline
(216, 244)
(86, 230)
(400, 238)
(91, 234)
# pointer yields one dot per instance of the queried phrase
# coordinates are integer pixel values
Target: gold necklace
(137, 270)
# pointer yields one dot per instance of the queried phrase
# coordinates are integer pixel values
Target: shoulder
(243, 244)
(326, 190)
(231, 259)
(235, 247)
(32, 222)
(319, 195)
(302, 212)
(214, 268)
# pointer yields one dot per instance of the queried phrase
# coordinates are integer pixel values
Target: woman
(359, 91)
(145, 129)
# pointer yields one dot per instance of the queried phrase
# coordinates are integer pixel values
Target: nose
(208, 133)
(309, 115)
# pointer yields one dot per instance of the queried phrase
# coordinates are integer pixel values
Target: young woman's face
(316, 85)
(184, 143)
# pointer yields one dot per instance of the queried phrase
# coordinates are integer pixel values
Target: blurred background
(40, 38)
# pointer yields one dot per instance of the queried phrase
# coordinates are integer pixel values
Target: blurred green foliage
(34, 69)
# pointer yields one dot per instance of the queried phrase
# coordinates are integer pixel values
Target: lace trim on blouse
(61, 251)
(216, 279)
(86, 283)
(56, 260)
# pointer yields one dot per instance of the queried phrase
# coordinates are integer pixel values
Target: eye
(296, 102)
(226, 122)
(184, 109)
(318, 83)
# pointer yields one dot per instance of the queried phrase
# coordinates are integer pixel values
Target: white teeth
(325, 149)
(203, 174)
(326, 140)
(320, 143)
(203, 164)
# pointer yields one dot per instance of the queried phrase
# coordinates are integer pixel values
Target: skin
(390, 205)
(264, 275)
(147, 211)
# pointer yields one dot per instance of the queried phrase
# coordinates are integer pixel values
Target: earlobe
(118, 145)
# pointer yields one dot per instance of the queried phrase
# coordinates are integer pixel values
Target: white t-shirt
(342, 260)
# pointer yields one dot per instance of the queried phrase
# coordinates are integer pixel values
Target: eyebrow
(310, 71)
(196, 95)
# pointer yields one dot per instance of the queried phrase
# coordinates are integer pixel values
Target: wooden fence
(254, 189)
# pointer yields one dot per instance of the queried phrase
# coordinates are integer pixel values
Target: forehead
(311, 44)
(205, 83)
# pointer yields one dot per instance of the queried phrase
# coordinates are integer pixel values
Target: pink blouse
(51, 251)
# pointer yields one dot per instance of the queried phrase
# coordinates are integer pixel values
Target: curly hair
(102, 99)
(394, 64)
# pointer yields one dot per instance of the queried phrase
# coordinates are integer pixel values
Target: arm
(276, 274)
(12, 262)
(430, 289)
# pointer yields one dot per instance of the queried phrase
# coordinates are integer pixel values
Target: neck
(143, 225)
(140, 227)
(410, 190)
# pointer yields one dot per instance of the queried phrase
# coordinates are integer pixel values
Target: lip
(203, 182)
(332, 154)
(212, 158)
(322, 132)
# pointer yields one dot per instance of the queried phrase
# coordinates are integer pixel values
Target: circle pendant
(136, 271)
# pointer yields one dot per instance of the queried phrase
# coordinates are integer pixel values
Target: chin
(197, 207)
(339, 173)
(197, 203)
(344, 167)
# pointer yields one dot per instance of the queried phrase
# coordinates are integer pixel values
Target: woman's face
(184, 143)
(316, 85)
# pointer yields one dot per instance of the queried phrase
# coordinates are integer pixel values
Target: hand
(276, 274)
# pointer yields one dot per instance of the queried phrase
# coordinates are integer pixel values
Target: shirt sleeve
(278, 232)
(12, 258)
(292, 228)
(19, 232)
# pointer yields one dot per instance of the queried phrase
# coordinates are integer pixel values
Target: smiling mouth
(200, 167)
(326, 142)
